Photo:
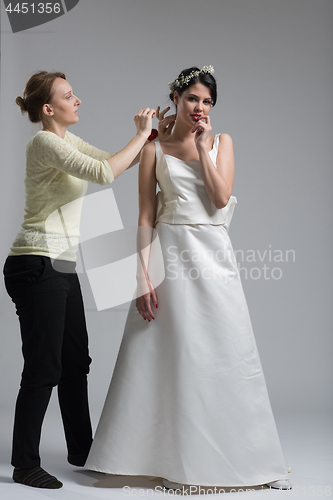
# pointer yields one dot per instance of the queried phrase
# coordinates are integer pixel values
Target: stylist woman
(48, 301)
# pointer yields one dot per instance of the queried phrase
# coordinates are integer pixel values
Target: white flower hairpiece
(183, 80)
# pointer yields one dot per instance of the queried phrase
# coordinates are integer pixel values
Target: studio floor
(307, 442)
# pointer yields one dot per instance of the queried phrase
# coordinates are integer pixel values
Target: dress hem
(175, 480)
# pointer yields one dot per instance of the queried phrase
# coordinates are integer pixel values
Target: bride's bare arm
(147, 215)
(218, 181)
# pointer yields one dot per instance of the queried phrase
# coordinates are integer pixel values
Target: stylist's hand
(143, 121)
(165, 123)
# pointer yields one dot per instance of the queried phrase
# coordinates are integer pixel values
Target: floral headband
(184, 80)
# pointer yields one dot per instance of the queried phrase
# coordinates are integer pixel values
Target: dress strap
(215, 148)
(159, 152)
(216, 142)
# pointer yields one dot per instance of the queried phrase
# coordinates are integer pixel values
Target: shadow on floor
(6, 479)
(128, 483)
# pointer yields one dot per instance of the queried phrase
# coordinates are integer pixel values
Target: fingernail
(156, 306)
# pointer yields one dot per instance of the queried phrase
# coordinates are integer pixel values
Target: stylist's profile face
(64, 103)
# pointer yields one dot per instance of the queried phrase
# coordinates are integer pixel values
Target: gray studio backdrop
(273, 66)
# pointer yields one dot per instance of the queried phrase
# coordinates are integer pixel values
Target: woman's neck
(56, 129)
(182, 132)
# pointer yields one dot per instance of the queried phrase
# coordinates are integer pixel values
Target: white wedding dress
(188, 400)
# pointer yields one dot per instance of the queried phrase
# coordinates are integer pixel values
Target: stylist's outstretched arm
(125, 157)
(61, 110)
(48, 301)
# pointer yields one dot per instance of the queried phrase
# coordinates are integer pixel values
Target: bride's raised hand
(202, 129)
(165, 123)
(143, 121)
(144, 300)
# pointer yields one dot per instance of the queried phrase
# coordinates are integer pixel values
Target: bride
(188, 400)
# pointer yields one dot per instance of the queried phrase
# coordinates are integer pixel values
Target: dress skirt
(188, 400)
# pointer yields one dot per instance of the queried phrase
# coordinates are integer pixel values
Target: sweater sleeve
(52, 151)
(86, 148)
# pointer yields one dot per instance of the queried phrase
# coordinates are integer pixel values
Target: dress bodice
(182, 198)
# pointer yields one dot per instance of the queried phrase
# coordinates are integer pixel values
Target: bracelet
(153, 135)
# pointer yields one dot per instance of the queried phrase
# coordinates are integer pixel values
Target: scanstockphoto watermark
(194, 264)
(25, 15)
(224, 263)
(264, 264)
(261, 492)
(186, 490)
(118, 259)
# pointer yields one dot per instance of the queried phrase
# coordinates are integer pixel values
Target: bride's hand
(165, 124)
(143, 121)
(202, 129)
(143, 302)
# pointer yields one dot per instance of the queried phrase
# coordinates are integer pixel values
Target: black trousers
(55, 350)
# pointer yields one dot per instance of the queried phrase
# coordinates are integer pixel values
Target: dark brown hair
(36, 93)
(205, 78)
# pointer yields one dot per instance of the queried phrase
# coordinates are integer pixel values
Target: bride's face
(194, 102)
